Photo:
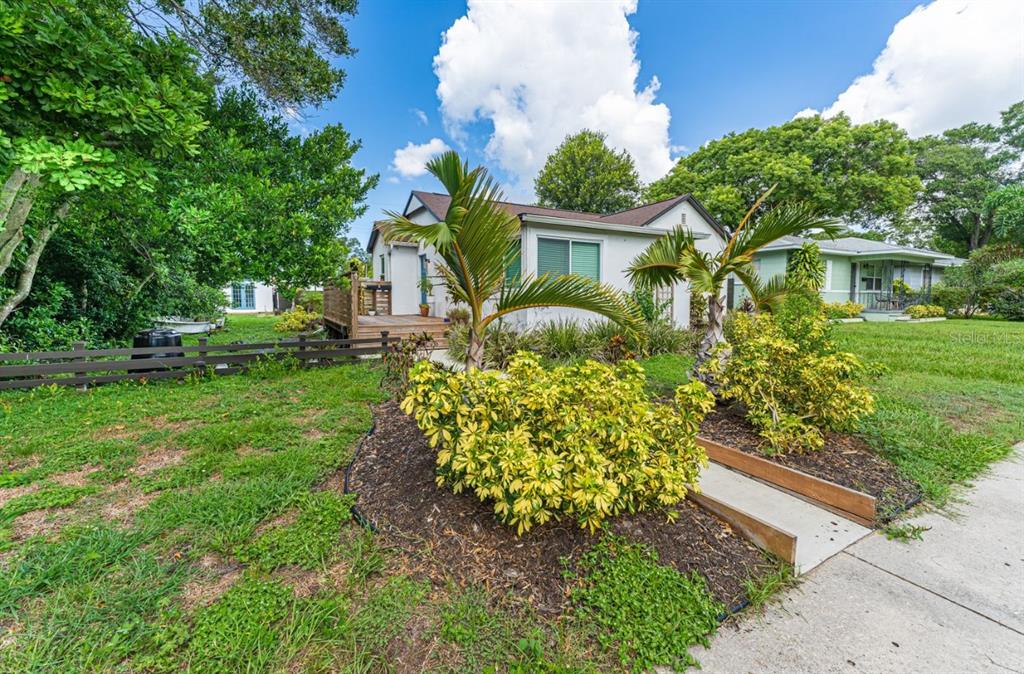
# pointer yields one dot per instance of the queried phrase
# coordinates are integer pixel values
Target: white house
(249, 297)
(553, 240)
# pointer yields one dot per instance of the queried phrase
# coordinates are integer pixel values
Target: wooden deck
(403, 325)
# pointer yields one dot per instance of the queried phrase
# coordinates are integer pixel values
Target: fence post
(355, 296)
(80, 346)
(201, 363)
(302, 347)
(384, 339)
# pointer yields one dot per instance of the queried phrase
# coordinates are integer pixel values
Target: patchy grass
(233, 549)
(952, 401)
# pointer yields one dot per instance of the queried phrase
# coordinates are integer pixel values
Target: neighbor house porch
(891, 284)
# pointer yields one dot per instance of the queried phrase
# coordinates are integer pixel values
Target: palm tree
(477, 242)
(675, 257)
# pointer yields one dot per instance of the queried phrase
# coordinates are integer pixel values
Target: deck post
(355, 295)
(80, 346)
(384, 339)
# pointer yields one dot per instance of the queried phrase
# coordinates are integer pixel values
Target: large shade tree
(286, 49)
(675, 258)
(584, 174)
(969, 175)
(857, 172)
(478, 242)
(86, 104)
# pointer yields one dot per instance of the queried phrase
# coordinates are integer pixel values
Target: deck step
(777, 518)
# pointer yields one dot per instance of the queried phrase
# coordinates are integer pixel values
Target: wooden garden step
(791, 528)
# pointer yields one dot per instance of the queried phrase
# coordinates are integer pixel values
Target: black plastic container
(158, 337)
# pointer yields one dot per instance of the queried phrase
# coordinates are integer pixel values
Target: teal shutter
(515, 269)
(586, 259)
(552, 256)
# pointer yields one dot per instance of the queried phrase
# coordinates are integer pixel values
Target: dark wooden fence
(83, 367)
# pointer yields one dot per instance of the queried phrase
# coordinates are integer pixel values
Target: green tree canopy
(282, 47)
(584, 174)
(86, 103)
(858, 172)
(969, 173)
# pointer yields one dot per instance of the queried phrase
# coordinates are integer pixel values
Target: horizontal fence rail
(84, 367)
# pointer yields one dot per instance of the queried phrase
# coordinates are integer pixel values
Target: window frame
(876, 268)
(571, 240)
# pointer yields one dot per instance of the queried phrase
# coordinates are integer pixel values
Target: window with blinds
(562, 256)
(515, 269)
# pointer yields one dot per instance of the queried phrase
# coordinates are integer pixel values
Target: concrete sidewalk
(953, 602)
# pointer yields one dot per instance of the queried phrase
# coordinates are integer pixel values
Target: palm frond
(660, 264)
(747, 218)
(783, 220)
(765, 295)
(438, 234)
(568, 290)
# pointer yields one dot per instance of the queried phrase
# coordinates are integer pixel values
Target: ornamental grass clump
(792, 380)
(580, 441)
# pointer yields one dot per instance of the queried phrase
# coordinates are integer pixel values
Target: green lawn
(200, 526)
(951, 402)
(243, 328)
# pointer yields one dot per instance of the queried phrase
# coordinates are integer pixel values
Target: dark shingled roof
(640, 216)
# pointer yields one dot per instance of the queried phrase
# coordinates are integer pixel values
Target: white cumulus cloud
(538, 71)
(420, 115)
(945, 64)
(411, 161)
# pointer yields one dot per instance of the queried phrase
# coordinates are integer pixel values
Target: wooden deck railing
(343, 307)
(83, 367)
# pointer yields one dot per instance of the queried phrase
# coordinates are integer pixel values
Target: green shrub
(564, 340)
(806, 268)
(843, 309)
(312, 301)
(296, 320)
(1006, 281)
(458, 315)
(951, 298)
(792, 380)
(925, 311)
(582, 441)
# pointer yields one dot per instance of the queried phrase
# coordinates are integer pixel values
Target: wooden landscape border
(849, 503)
(764, 535)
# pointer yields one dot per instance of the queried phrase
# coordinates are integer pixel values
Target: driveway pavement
(953, 602)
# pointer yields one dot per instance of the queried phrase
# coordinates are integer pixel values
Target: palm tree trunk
(713, 336)
(475, 350)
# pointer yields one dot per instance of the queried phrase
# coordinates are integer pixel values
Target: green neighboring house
(860, 270)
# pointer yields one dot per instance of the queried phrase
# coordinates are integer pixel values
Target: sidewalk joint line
(930, 591)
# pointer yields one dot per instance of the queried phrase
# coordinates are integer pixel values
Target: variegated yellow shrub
(582, 441)
(792, 380)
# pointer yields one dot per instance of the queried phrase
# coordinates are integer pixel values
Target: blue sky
(722, 66)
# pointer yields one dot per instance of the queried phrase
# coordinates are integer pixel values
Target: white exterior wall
(264, 300)
(618, 248)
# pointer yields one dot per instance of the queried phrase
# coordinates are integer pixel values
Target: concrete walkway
(953, 602)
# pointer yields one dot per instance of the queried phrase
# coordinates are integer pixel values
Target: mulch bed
(845, 459)
(448, 535)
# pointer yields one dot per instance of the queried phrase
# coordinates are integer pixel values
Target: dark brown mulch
(457, 536)
(845, 459)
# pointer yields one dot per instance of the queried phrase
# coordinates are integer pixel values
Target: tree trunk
(475, 350)
(16, 201)
(713, 336)
(28, 271)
